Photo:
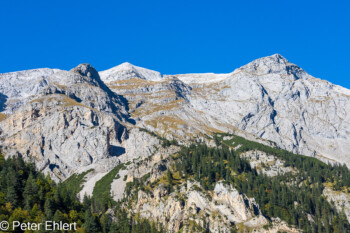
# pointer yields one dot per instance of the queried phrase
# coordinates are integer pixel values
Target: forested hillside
(292, 196)
(26, 195)
(296, 197)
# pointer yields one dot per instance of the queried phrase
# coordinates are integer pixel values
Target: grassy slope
(75, 181)
(103, 186)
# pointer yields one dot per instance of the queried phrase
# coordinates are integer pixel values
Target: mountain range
(87, 122)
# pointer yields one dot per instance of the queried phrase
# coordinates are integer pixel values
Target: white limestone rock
(269, 98)
(220, 209)
(340, 199)
(266, 164)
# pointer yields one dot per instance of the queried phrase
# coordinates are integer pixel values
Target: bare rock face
(275, 64)
(269, 98)
(193, 210)
(60, 134)
(17, 87)
(86, 70)
(72, 121)
(226, 205)
(266, 164)
(278, 101)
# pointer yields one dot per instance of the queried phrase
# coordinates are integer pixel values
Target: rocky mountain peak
(128, 71)
(274, 64)
(86, 70)
(126, 65)
(276, 57)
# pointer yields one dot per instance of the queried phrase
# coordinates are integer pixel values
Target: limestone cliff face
(70, 122)
(278, 101)
(270, 98)
(60, 134)
(191, 209)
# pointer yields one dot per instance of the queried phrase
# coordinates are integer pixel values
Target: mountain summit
(274, 64)
(128, 71)
(86, 70)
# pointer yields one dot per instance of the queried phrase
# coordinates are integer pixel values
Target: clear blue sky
(176, 36)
